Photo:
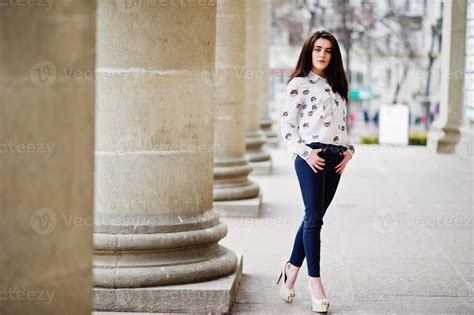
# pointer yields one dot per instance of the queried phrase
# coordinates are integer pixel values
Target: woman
(313, 127)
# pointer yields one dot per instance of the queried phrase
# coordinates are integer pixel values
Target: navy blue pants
(318, 190)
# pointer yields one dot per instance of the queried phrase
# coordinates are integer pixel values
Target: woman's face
(321, 53)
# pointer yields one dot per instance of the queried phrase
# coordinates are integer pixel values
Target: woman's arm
(350, 147)
(290, 118)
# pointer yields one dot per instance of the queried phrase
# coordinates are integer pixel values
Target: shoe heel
(286, 294)
(279, 278)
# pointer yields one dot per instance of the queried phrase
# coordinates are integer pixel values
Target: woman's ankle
(317, 287)
(314, 280)
(292, 267)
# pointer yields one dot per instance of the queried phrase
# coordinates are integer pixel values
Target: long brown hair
(334, 71)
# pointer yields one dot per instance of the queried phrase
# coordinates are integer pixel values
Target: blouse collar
(316, 76)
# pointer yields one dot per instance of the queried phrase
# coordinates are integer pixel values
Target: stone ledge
(215, 296)
(262, 168)
(241, 208)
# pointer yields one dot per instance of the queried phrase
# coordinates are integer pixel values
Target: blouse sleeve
(349, 146)
(289, 121)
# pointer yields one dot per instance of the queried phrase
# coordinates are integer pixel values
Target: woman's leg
(331, 183)
(332, 180)
(307, 241)
(298, 253)
(329, 187)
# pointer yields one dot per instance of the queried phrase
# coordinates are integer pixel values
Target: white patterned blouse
(312, 112)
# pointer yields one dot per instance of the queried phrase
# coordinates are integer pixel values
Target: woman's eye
(318, 50)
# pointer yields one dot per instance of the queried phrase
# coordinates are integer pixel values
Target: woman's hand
(315, 161)
(342, 165)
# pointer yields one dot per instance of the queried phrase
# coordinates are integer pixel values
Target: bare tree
(357, 27)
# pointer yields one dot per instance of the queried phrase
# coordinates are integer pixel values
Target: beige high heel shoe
(286, 294)
(318, 305)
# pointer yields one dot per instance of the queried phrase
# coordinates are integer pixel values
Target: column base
(443, 139)
(152, 251)
(262, 168)
(242, 208)
(231, 179)
(272, 137)
(465, 147)
(254, 142)
(215, 296)
(258, 156)
(272, 140)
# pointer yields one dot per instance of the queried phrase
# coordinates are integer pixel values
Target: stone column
(255, 75)
(465, 148)
(47, 58)
(234, 193)
(266, 122)
(444, 134)
(156, 233)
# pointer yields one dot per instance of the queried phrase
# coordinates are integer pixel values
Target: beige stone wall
(469, 79)
(253, 67)
(154, 117)
(230, 94)
(445, 132)
(154, 219)
(47, 59)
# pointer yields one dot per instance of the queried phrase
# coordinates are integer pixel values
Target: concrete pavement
(397, 237)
